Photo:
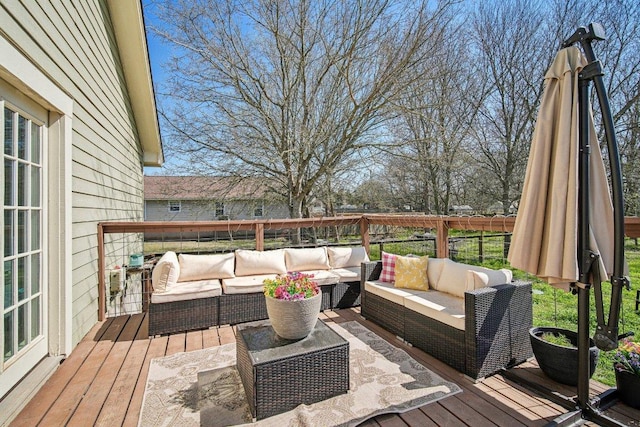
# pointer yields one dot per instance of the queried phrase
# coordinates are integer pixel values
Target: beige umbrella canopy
(545, 234)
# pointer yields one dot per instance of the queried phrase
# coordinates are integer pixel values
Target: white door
(24, 291)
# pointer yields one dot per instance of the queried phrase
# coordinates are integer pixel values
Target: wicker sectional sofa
(478, 328)
(200, 291)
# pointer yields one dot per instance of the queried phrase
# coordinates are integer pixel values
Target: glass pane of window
(35, 317)
(22, 326)
(8, 132)
(35, 274)
(8, 336)
(219, 208)
(35, 186)
(8, 183)
(22, 231)
(22, 276)
(35, 143)
(8, 232)
(35, 230)
(22, 137)
(22, 184)
(8, 284)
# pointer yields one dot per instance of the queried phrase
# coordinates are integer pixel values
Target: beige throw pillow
(166, 272)
(411, 273)
(202, 267)
(250, 262)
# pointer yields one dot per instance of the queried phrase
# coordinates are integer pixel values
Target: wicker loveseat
(200, 291)
(477, 331)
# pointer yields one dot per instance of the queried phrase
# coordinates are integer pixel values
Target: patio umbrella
(545, 234)
(569, 230)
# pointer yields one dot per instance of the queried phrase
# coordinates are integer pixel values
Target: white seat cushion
(166, 272)
(245, 284)
(200, 267)
(348, 274)
(301, 259)
(323, 277)
(183, 291)
(439, 306)
(249, 263)
(347, 257)
(388, 291)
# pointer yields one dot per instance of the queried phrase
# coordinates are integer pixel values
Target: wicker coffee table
(280, 374)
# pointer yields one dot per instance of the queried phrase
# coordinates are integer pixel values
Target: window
(175, 206)
(219, 209)
(258, 211)
(22, 286)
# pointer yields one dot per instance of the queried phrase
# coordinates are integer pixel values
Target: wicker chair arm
(497, 320)
(370, 271)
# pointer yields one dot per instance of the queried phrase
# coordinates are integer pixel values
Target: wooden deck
(102, 383)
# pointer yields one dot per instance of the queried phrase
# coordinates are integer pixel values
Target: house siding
(202, 210)
(74, 45)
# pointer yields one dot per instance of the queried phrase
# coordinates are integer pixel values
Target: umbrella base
(575, 416)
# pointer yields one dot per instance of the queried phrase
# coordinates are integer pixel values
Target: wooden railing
(442, 225)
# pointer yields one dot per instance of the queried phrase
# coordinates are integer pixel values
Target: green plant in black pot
(556, 351)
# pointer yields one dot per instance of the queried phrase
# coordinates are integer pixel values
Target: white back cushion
(453, 279)
(166, 272)
(481, 279)
(434, 270)
(201, 267)
(300, 259)
(347, 257)
(250, 262)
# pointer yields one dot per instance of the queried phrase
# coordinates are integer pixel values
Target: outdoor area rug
(383, 379)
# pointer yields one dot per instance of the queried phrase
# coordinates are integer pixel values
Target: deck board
(102, 382)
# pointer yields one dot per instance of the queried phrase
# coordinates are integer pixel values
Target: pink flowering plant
(292, 286)
(627, 358)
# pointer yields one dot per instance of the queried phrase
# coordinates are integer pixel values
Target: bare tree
(433, 123)
(514, 51)
(289, 91)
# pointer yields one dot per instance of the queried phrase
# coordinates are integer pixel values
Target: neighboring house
(208, 198)
(79, 124)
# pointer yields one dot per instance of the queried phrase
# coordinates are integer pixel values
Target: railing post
(364, 232)
(481, 246)
(102, 303)
(442, 239)
(260, 236)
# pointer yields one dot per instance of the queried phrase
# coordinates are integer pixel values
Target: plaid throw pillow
(388, 273)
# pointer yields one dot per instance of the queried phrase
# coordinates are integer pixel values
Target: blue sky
(158, 53)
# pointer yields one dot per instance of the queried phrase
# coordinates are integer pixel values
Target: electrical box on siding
(115, 280)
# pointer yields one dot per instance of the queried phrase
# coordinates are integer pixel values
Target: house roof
(128, 25)
(201, 188)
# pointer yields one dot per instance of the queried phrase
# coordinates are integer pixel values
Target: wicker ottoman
(279, 374)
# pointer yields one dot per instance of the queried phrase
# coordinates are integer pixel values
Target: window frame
(174, 206)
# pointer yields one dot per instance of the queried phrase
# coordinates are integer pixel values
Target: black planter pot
(557, 362)
(628, 386)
